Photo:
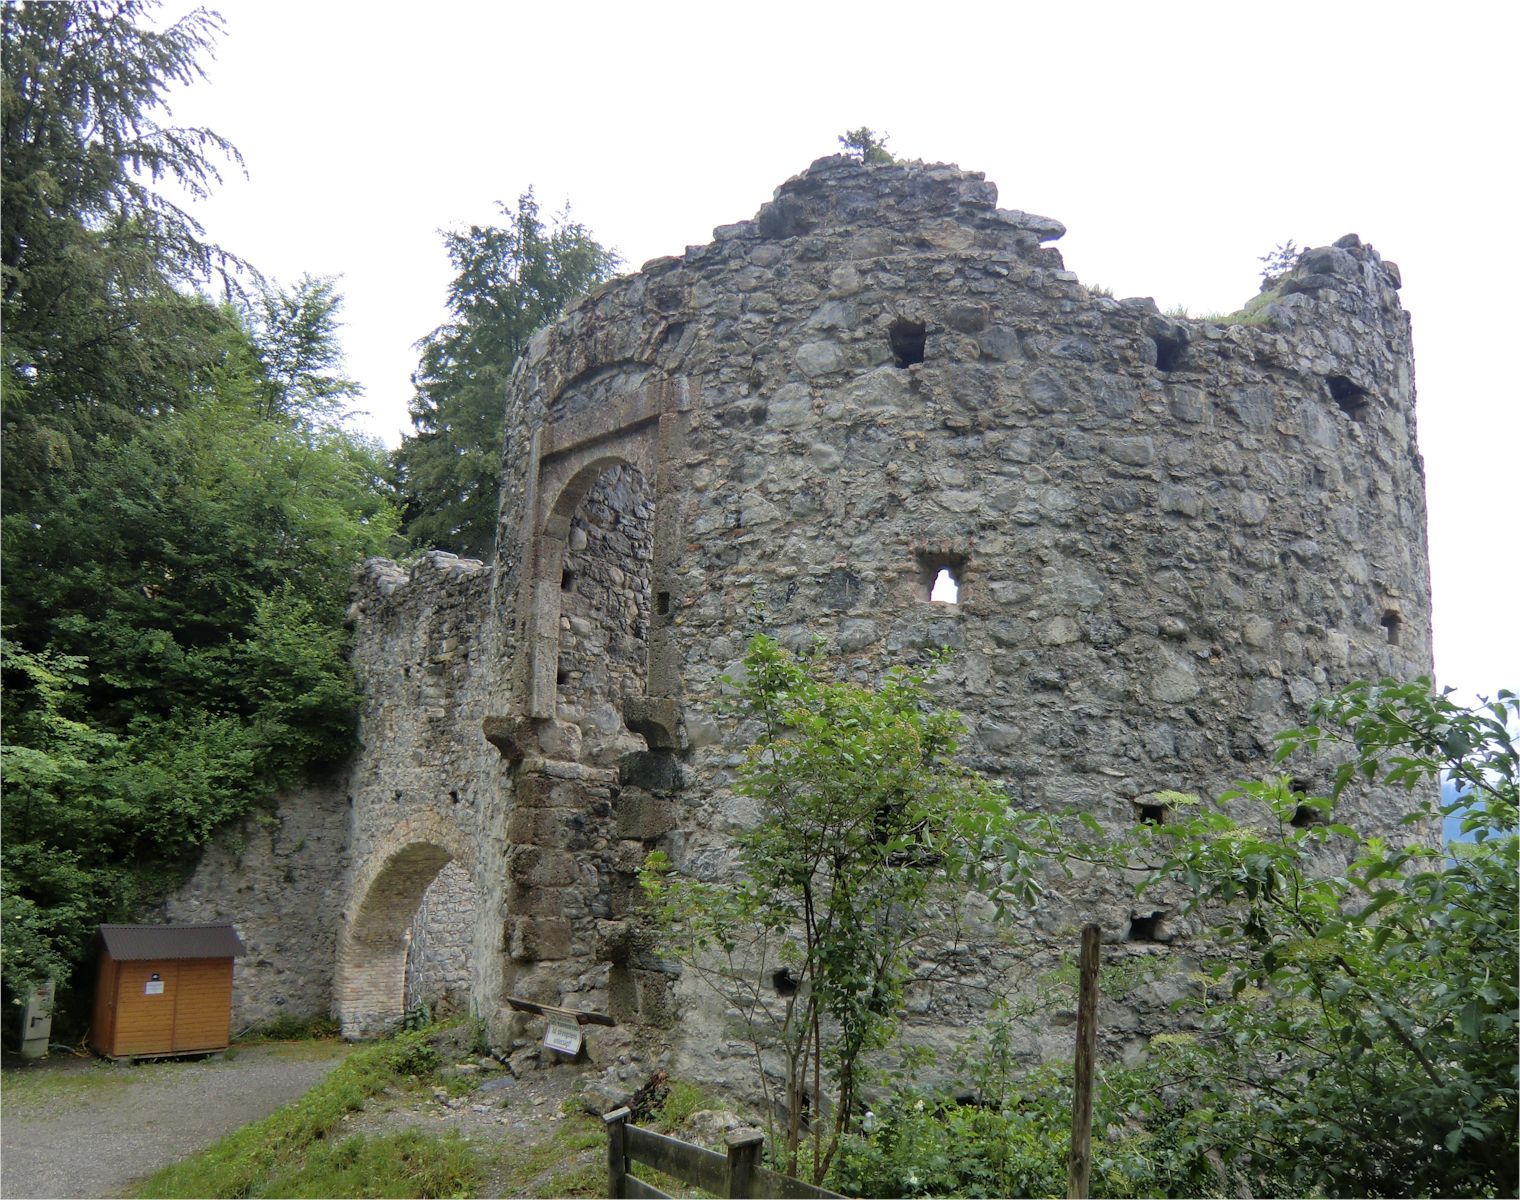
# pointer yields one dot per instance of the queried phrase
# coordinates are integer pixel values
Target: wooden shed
(164, 989)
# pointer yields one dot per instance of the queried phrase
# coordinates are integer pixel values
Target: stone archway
(384, 898)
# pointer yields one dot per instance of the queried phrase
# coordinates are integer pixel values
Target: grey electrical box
(37, 1021)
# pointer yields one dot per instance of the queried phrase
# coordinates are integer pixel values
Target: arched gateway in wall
(374, 940)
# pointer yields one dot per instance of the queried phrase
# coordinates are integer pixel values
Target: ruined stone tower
(1166, 537)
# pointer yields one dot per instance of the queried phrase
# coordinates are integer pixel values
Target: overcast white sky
(1176, 141)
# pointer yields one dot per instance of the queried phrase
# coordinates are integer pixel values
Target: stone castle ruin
(1165, 538)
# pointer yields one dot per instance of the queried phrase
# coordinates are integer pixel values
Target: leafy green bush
(1011, 1134)
(1358, 1036)
(922, 1145)
(1365, 1038)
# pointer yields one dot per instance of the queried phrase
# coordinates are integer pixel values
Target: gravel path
(90, 1128)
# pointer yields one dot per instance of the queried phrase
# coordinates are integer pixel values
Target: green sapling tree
(870, 834)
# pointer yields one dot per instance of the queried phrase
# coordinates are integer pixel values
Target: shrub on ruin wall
(1364, 1040)
(1358, 1035)
(870, 832)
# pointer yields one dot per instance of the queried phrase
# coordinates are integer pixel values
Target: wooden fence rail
(737, 1175)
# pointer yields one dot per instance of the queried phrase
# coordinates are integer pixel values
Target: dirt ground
(91, 1128)
(74, 1126)
(510, 1121)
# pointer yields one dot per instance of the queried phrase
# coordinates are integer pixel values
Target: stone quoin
(1166, 537)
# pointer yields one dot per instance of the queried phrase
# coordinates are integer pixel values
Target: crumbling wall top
(436, 576)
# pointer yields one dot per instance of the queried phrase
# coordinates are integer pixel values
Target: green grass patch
(1254, 312)
(308, 1051)
(411, 1163)
(681, 1100)
(243, 1162)
(45, 1082)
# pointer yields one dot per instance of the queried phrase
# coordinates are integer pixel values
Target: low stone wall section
(277, 875)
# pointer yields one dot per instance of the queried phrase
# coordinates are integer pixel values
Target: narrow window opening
(1391, 623)
(945, 590)
(567, 580)
(662, 604)
(907, 339)
(1150, 814)
(1353, 400)
(941, 576)
(1145, 928)
(1168, 352)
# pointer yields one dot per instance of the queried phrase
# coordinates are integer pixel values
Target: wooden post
(743, 1155)
(617, 1152)
(1080, 1163)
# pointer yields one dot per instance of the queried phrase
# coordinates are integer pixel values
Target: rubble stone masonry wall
(1169, 536)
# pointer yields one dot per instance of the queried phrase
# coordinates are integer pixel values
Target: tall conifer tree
(510, 281)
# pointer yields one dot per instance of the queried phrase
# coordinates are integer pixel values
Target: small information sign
(564, 1036)
(154, 987)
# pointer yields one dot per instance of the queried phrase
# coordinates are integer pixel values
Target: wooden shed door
(203, 1007)
(145, 1007)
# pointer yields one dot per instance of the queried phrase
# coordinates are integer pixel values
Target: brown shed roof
(128, 942)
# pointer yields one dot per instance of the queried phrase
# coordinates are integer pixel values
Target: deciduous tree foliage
(869, 835)
(1357, 1036)
(510, 281)
(1366, 1041)
(182, 511)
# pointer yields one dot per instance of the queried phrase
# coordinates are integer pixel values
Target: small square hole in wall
(941, 578)
(1168, 352)
(1351, 399)
(908, 339)
(1305, 815)
(1145, 928)
(1391, 622)
(1150, 814)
